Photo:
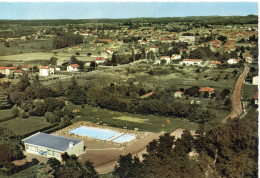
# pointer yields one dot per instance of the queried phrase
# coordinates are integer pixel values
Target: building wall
(255, 80)
(34, 149)
(76, 149)
(44, 72)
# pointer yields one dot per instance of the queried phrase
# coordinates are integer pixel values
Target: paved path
(237, 108)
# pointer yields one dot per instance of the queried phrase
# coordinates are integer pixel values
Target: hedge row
(41, 130)
(10, 169)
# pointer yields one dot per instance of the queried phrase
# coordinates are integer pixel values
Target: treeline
(229, 150)
(67, 40)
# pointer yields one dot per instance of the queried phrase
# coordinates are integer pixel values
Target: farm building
(52, 145)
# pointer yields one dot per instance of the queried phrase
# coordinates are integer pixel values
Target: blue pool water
(98, 133)
(124, 138)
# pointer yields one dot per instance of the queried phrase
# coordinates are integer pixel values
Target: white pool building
(50, 145)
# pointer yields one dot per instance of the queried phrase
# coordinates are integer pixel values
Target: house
(191, 62)
(214, 63)
(178, 94)
(232, 61)
(73, 68)
(50, 145)
(7, 70)
(207, 89)
(46, 71)
(167, 59)
(25, 67)
(147, 95)
(255, 80)
(100, 60)
(256, 98)
(154, 49)
(18, 73)
(188, 39)
(176, 57)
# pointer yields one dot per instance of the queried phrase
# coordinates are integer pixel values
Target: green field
(26, 47)
(5, 113)
(249, 91)
(150, 123)
(25, 126)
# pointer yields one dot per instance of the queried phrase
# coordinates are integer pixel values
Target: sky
(91, 10)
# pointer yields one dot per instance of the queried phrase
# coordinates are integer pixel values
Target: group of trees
(67, 40)
(219, 151)
(71, 167)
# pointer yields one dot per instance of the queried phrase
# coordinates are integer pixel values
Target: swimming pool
(93, 132)
(124, 138)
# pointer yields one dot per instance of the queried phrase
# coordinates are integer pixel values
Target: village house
(178, 94)
(256, 98)
(167, 59)
(46, 71)
(25, 67)
(187, 39)
(176, 57)
(100, 60)
(232, 61)
(191, 62)
(255, 80)
(18, 73)
(155, 49)
(207, 89)
(73, 68)
(214, 63)
(7, 70)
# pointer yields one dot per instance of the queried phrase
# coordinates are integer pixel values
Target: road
(237, 108)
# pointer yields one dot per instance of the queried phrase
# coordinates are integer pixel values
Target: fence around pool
(118, 136)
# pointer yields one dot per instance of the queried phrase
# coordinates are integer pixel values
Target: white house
(46, 70)
(255, 80)
(188, 39)
(50, 145)
(100, 60)
(176, 57)
(73, 68)
(154, 49)
(191, 62)
(7, 70)
(166, 58)
(232, 61)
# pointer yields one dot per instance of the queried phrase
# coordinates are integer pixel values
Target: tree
(93, 65)
(75, 93)
(128, 166)
(53, 61)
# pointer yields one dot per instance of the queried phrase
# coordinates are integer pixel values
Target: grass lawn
(249, 91)
(149, 123)
(5, 113)
(25, 126)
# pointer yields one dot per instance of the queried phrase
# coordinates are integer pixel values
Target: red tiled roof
(194, 60)
(3, 68)
(215, 62)
(256, 96)
(181, 92)
(148, 94)
(18, 71)
(25, 66)
(208, 89)
(12, 68)
(99, 58)
(74, 65)
(45, 67)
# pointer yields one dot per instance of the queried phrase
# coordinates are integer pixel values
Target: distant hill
(251, 19)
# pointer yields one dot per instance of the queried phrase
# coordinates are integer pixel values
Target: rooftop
(50, 141)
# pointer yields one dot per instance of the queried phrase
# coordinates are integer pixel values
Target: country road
(237, 108)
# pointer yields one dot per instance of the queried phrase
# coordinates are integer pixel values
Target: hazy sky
(89, 10)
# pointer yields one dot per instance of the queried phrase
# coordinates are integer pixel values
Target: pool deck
(109, 143)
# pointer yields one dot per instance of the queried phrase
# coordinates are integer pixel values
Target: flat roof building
(50, 145)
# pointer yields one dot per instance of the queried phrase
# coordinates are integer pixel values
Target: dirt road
(237, 108)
